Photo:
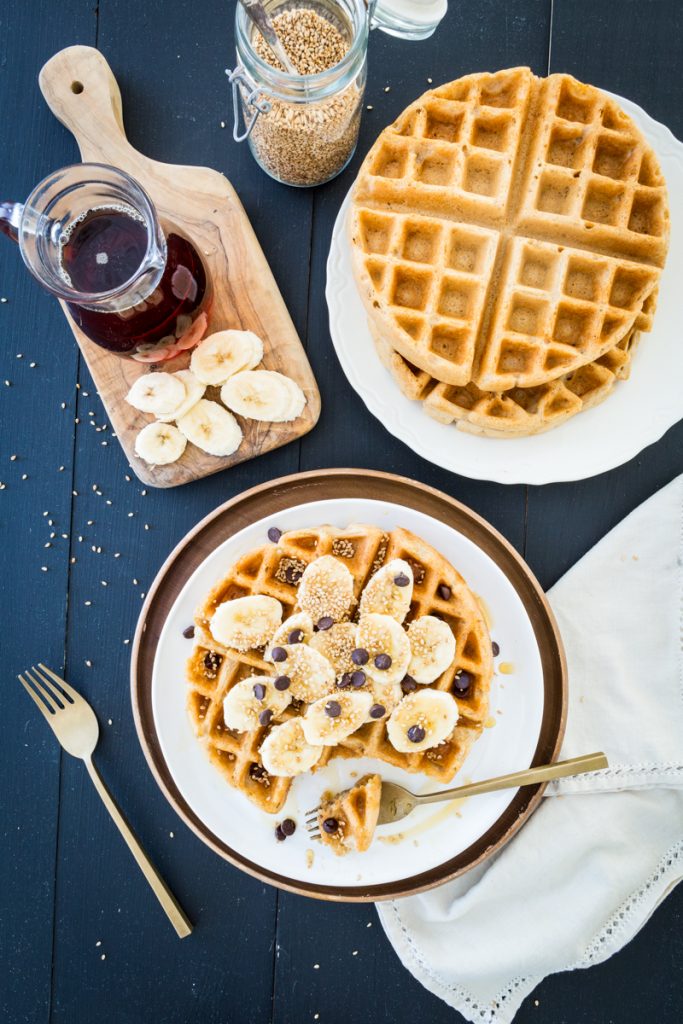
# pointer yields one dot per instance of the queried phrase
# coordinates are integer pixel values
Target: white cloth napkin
(592, 864)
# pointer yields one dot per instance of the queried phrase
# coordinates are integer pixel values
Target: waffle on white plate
(327, 642)
(507, 231)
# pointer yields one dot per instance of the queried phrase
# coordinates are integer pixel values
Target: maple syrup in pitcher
(90, 234)
(103, 250)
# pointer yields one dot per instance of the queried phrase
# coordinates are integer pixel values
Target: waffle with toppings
(347, 821)
(508, 230)
(323, 643)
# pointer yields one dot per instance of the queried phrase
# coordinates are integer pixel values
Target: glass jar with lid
(303, 129)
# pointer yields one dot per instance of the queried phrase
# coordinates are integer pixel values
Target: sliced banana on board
(285, 751)
(254, 702)
(224, 353)
(336, 643)
(310, 674)
(263, 395)
(389, 591)
(422, 720)
(159, 444)
(386, 645)
(212, 428)
(432, 646)
(297, 629)
(326, 590)
(331, 719)
(157, 393)
(194, 390)
(246, 622)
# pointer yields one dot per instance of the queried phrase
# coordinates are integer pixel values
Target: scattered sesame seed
(135, 582)
(108, 500)
(142, 596)
(109, 721)
(77, 421)
(104, 583)
(316, 967)
(104, 443)
(4, 300)
(2, 486)
(99, 942)
(355, 953)
(171, 835)
(117, 554)
(8, 383)
(24, 476)
(13, 458)
(126, 641)
(369, 107)
(429, 81)
(86, 394)
(90, 522)
(103, 957)
(73, 559)
(87, 603)
(75, 493)
(387, 88)
(50, 522)
(43, 568)
(143, 493)
(65, 536)
(127, 478)
(131, 514)
(63, 405)
(47, 545)
(369, 924)
(46, 513)
(99, 551)
(80, 539)
(53, 535)
(98, 493)
(88, 663)
(147, 526)
(222, 124)
(33, 365)
(94, 487)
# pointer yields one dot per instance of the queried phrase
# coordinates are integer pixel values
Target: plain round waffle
(275, 569)
(507, 230)
(518, 412)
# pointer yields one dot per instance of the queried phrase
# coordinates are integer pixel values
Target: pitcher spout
(10, 219)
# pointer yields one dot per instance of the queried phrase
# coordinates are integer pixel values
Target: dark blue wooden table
(82, 940)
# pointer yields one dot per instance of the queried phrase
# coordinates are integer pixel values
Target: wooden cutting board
(82, 93)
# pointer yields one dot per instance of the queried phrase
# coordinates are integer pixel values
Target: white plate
(635, 415)
(509, 743)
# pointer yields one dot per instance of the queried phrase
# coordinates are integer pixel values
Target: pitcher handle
(10, 219)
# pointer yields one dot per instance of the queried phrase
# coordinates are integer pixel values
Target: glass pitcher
(303, 129)
(90, 235)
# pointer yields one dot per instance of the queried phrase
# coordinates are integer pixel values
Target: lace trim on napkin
(595, 952)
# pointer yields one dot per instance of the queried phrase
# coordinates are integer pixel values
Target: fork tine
(68, 690)
(34, 696)
(311, 821)
(48, 689)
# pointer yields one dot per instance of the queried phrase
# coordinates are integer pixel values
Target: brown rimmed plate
(277, 497)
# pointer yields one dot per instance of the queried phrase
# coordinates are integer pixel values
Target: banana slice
(297, 629)
(389, 591)
(212, 428)
(226, 352)
(159, 444)
(330, 720)
(433, 648)
(337, 644)
(246, 622)
(385, 697)
(263, 395)
(310, 675)
(253, 702)
(157, 393)
(285, 752)
(386, 645)
(194, 390)
(422, 720)
(326, 590)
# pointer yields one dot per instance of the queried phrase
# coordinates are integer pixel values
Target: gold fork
(74, 724)
(397, 802)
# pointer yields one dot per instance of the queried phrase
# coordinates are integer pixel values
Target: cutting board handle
(81, 91)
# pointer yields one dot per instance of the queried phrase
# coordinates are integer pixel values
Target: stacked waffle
(508, 236)
(235, 699)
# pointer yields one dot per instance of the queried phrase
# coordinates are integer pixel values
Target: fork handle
(527, 777)
(174, 911)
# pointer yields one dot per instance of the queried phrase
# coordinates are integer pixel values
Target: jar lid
(408, 19)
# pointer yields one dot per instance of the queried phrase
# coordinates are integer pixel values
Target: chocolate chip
(188, 632)
(463, 681)
(282, 683)
(330, 825)
(408, 684)
(344, 682)
(360, 656)
(382, 661)
(296, 636)
(265, 717)
(288, 826)
(333, 709)
(274, 534)
(212, 662)
(416, 734)
(326, 622)
(444, 591)
(377, 711)
(293, 575)
(495, 648)
(280, 834)
(358, 678)
(259, 691)
(278, 654)
(257, 771)
(401, 580)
